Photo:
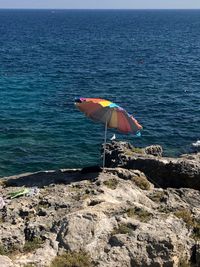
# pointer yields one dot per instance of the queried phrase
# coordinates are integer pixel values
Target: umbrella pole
(104, 151)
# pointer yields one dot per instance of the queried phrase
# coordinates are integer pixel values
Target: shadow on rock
(46, 178)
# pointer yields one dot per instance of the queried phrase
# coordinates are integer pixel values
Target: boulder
(155, 150)
(162, 171)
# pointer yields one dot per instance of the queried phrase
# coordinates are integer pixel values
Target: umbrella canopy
(110, 114)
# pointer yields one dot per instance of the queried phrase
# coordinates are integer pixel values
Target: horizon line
(35, 8)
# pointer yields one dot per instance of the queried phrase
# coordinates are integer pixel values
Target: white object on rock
(113, 137)
(196, 144)
(2, 203)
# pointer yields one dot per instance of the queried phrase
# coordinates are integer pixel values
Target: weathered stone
(117, 222)
(153, 246)
(197, 258)
(5, 262)
(162, 171)
(2, 203)
(85, 231)
(11, 236)
(42, 257)
(154, 150)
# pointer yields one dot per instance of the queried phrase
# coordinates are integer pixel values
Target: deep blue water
(146, 61)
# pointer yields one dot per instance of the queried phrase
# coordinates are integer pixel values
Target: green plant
(3, 251)
(164, 209)
(33, 245)
(141, 182)
(191, 222)
(186, 216)
(140, 214)
(3, 182)
(157, 196)
(185, 263)
(137, 150)
(81, 195)
(72, 259)
(124, 228)
(196, 230)
(111, 183)
(132, 151)
(8, 251)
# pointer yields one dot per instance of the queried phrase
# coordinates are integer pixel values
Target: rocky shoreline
(130, 214)
(162, 171)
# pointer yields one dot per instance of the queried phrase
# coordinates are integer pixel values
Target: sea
(146, 61)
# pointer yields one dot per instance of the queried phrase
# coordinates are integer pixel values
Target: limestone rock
(42, 257)
(11, 236)
(86, 231)
(5, 262)
(107, 214)
(162, 171)
(154, 150)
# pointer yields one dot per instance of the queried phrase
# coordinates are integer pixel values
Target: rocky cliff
(162, 171)
(110, 218)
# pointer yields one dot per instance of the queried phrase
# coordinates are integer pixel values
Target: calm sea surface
(146, 61)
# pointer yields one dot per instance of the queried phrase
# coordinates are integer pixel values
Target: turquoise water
(146, 61)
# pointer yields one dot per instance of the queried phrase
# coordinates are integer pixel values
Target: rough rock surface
(154, 150)
(117, 217)
(162, 171)
(5, 261)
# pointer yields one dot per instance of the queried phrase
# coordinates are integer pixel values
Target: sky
(102, 4)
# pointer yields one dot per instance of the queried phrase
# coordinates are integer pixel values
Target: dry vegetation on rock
(107, 219)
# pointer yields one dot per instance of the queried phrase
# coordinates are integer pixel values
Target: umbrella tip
(138, 134)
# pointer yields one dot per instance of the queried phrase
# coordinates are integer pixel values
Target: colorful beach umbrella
(110, 114)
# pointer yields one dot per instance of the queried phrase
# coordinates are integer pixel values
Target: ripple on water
(133, 58)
